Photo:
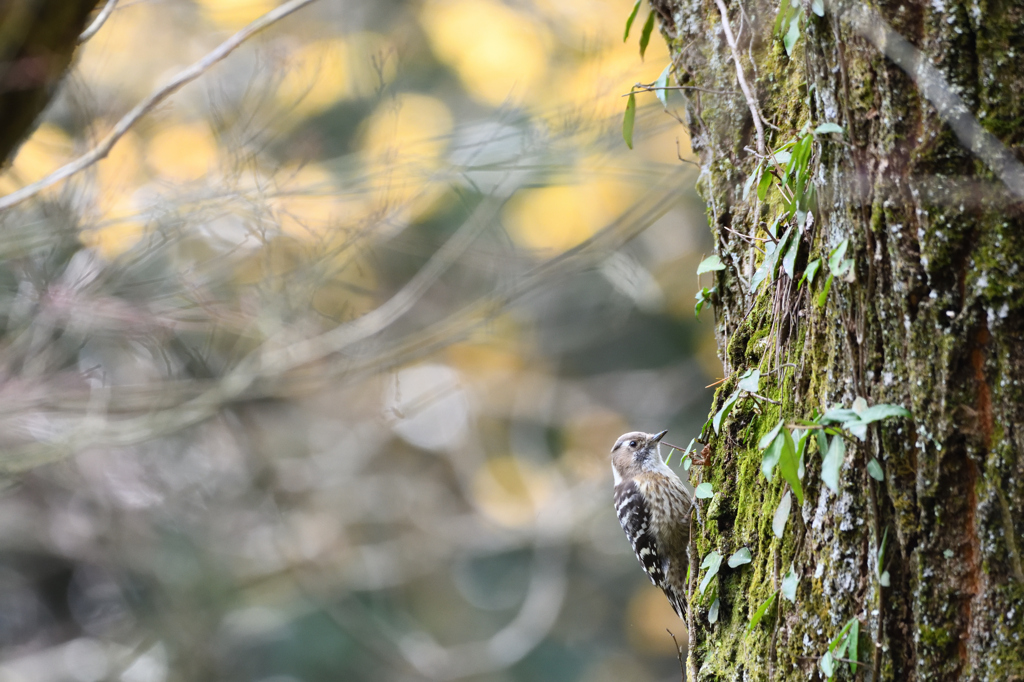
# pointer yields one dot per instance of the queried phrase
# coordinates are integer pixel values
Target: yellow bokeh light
(235, 13)
(318, 76)
(496, 51)
(48, 148)
(509, 490)
(182, 152)
(559, 217)
(403, 144)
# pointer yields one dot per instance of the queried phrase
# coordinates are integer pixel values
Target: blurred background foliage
(314, 377)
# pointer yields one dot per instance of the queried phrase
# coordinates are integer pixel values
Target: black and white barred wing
(635, 518)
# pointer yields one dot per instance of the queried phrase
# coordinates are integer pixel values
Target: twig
(751, 101)
(98, 22)
(145, 106)
(652, 88)
(756, 396)
(679, 654)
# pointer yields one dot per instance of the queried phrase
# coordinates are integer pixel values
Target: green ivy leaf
(629, 20)
(750, 181)
(832, 462)
(713, 611)
(724, 412)
(884, 411)
(818, 7)
(767, 439)
(710, 264)
(704, 491)
(703, 296)
(852, 639)
(809, 272)
(770, 457)
(661, 84)
(822, 441)
(712, 562)
(789, 584)
(750, 380)
(835, 257)
(761, 610)
(628, 119)
(857, 428)
(840, 415)
(789, 465)
(826, 665)
(875, 470)
(823, 296)
(789, 260)
(782, 515)
(645, 33)
(740, 557)
(826, 128)
(792, 35)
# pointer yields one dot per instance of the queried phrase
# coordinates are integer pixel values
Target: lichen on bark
(932, 318)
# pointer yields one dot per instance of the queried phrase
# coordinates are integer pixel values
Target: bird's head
(635, 452)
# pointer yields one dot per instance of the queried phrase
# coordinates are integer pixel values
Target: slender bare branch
(98, 22)
(751, 100)
(144, 107)
(933, 86)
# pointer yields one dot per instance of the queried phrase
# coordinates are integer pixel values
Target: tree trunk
(37, 41)
(929, 316)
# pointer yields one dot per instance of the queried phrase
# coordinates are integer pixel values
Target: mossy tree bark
(930, 317)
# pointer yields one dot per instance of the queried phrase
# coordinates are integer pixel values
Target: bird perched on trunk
(653, 505)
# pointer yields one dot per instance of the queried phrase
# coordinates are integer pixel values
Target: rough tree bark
(931, 317)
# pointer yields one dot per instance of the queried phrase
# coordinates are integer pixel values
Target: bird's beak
(657, 437)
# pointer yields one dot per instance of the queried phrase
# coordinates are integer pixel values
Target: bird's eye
(632, 443)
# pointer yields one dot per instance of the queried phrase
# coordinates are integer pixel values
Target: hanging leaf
(740, 556)
(826, 665)
(627, 120)
(789, 584)
(709, 264)
(875, 470)
(789, 465)
(661, 85)
(713, 612)
(782, 515)
(712, 562)
(750, 181)
(704, 491)
(884, 411)
(852, 639)
(645, 33)
(629, 20)
(792, 35)
(835, 258)
(767, 439)
(818, 7)
(770, 457)
(764, 184)
(826, 128)
(840, 415)
(832, 463)
(809, 272)
(724, 412)
(789, 260)
(761, 610)
(823, 296)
